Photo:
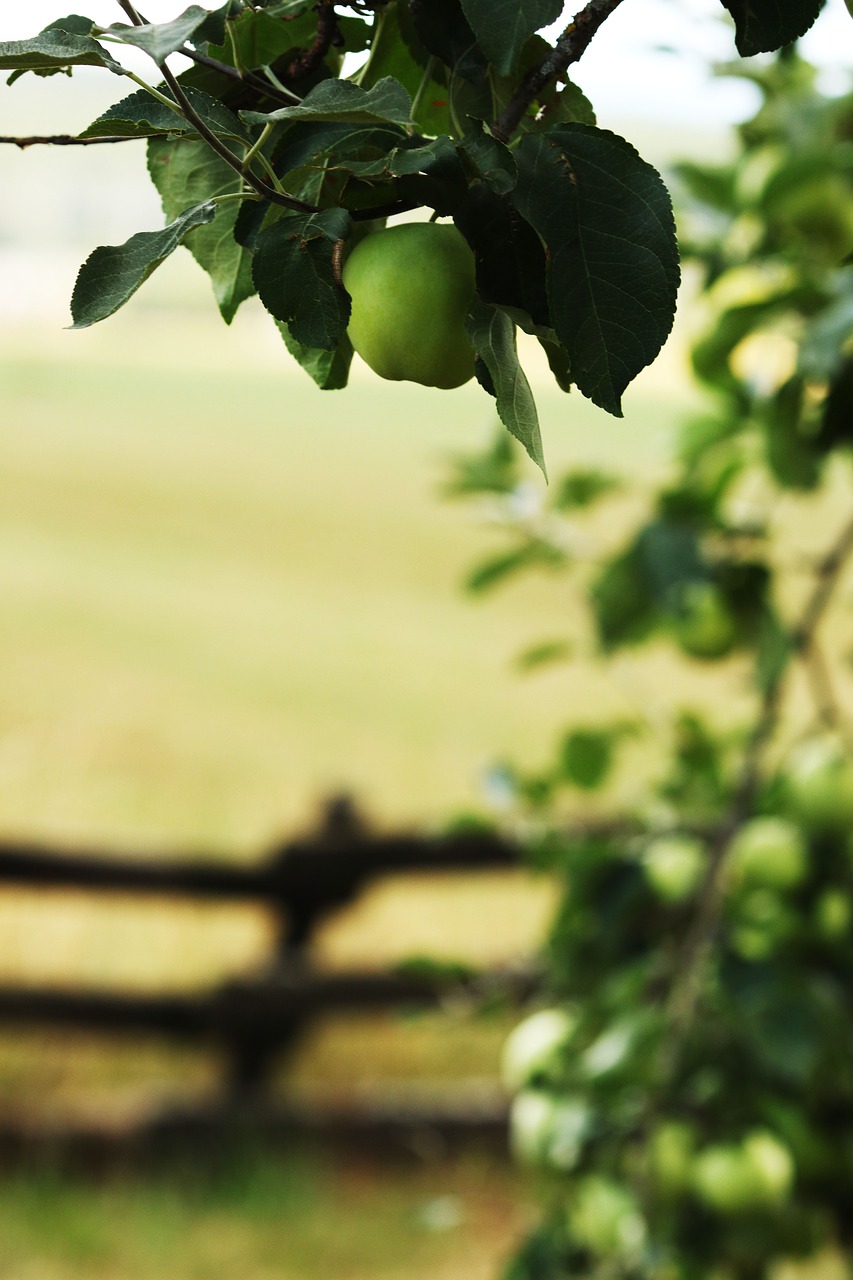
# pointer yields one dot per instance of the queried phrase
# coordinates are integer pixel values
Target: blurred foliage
(693, 1110)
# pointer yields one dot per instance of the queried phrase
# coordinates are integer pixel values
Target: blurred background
(225, 597)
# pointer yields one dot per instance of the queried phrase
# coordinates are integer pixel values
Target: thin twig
(62, 140)
(568, 49)
(213, 141)
(276, 93)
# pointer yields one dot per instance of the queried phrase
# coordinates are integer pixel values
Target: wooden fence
(258, 1018)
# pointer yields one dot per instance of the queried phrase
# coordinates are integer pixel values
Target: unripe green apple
(605, 1217)
(670, 1156)
(762, 921)
(534, 1051)
(411, 287)
(772, 1166)
(547, 1129)
(673, 866)
(757, 1173)
(769, 851)
(819, 785)
(704, 626)
(834, 911)
(723, 1178)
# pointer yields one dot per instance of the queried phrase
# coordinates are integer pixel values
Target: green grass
(263, 1217)
(226, 594)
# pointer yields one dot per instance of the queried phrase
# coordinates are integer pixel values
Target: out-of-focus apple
(818, 782)
(547, 1129)
(769, 851)
(534, 1051)
(673, 866)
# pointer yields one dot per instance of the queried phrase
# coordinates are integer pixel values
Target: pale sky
(621, 71)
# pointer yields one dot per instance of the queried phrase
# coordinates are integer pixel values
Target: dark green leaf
(558, 359)
(443, 30)
(294, 273)
(606, 218)
(195, 25)
(774, 651)
(314, 141)
(670, 558)
(791, 454)
(491, 159)
(510, 259)
(391, 54)
(765, 25)
(141, 116)
(503, 26)
(586, 756)
(342, 100)
(187, 172)
(497, 569)
(568, 104)
(826, 334)
(74, 23)
(495, 470)
(544, 654)
(113, 273)
(492, 336)
(837, 418)
(55, 48)
(259, 38)
(329, 369)
(579, 489)
(621, 601)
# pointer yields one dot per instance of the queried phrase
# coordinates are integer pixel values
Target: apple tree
(689, 1091)
(687, 1086)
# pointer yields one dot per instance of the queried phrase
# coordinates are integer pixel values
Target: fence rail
(258, 1018)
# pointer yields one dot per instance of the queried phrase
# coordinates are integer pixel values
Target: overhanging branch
(571, 45)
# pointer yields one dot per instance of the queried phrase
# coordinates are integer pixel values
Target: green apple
(772, 1166)
(673, 866)
(834, 911)
(547, 1129)
(534, 1052)
(723, 1178)
(411, 287)
(734, 1178)
(704, 625)
(762, 920)
(605, 1217)
(819, 785)
(770, 852)
(669, 1154)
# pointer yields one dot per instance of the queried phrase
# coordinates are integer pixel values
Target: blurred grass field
(226, 595)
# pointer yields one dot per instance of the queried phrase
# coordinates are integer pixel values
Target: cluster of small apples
(737, 1161)
(756, 1172)
(411, 287)
(768, 860)
(551, 1127)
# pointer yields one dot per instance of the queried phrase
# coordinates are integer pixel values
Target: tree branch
(690, 966)
(571, 45)
(327, 36)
